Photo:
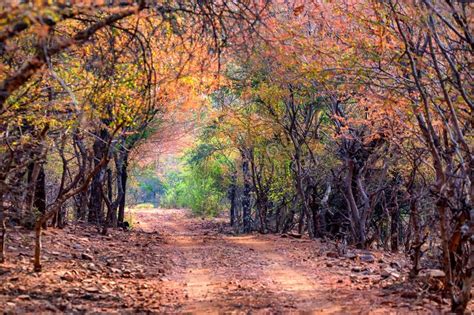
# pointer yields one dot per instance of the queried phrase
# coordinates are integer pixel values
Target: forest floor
(172, 262)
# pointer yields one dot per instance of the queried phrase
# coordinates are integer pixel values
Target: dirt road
(171, 262)
(214, 273)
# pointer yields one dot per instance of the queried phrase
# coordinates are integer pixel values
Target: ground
(172, 262)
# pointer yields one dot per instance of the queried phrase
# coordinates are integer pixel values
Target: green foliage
(200, 186)
(145, 187)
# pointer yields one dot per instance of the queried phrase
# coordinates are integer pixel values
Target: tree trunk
(246, 211)
(357, 224)
(37, 256)
(111, 206)
(395, 227)
(3, 234)
(81, 205)
(123, 191)
(417, 242)
(95, 201)
(232, 195)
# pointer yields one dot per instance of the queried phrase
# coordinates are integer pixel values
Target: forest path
(171, 262)
(215, 273)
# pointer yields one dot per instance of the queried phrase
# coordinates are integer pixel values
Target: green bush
(199, 186)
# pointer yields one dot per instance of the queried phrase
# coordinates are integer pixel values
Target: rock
(91, 289)
(295, 235)
(67, 277)
(368, 258)
(86, 256)
(409, 295)
(77, 247)
(115, 270)
(435, 273)
(390, 272)
(396, 265)
(92, 267)
(351, 255)
(332, 255)
(328, 264)
(356, 269)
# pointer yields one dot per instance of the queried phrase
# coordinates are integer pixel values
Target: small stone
(92, 267)
(356, 269)
(409, 295)
(86, 256)
(390, 272)
(332, 255)
(328, 264)
(435, 273)
(67, 277)
(115, 270)
(91, 289)
(396, 265)
(368, 258)
(77, 247)
(351, 255)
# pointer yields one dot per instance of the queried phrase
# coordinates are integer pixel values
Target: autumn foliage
(348, 120)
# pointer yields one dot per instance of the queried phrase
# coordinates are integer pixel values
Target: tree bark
(232, 195)
(3, 234)
(246, 210)
(123, 181)
(95, 201)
